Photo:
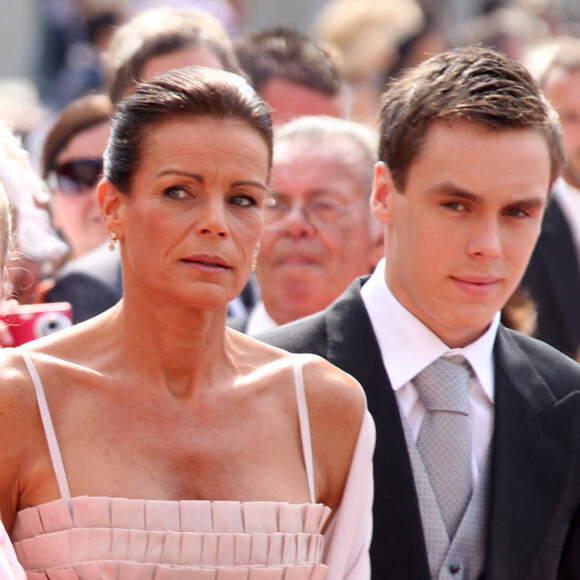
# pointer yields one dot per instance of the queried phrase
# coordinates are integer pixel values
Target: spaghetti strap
(304, 423)
(53, 447)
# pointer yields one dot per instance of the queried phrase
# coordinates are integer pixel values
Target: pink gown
(90, 538)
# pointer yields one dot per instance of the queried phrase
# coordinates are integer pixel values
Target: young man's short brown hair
(475, 84)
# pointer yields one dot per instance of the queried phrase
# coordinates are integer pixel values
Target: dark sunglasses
(74, 177)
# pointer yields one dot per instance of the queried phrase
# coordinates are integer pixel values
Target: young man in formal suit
(469, 149)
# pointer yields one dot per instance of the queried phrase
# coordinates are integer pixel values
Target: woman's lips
(207, 263)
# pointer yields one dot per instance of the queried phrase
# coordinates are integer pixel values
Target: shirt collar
(259, 320)
(562, 188)
(408, 346)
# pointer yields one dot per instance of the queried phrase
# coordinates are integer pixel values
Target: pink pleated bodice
(98, 538)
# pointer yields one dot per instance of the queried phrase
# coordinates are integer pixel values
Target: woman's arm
(19, 424)
(348, 537)
(343, 439)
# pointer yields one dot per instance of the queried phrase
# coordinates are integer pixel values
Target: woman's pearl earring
(112, 241)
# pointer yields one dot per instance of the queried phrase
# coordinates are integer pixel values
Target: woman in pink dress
(152, 442)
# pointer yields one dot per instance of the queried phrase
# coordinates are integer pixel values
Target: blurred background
(21, 20)
(341, 53)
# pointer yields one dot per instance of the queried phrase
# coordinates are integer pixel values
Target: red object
(27, 322)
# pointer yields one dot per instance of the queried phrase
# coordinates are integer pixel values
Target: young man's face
(458, 238)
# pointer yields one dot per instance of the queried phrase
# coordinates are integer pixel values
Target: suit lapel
(533, 454)
(398, 547)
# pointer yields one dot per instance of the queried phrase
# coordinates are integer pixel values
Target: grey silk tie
(445, 437)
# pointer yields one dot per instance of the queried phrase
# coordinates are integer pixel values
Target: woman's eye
(243, 200)
(176, 192)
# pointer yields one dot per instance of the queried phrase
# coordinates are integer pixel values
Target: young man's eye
(516, 212)
(455, 205)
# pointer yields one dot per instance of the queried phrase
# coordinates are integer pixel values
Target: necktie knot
(444, 385)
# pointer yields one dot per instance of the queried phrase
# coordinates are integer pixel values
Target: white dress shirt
(408, 346)
(259, 320)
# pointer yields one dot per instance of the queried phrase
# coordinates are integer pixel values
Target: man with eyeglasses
(319, 233)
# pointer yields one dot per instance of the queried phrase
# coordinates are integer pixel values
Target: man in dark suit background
(553, 275)
(469, 150)
(91, 283)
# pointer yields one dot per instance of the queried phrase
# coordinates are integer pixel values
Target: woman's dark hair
(80, 115)
(185, 92)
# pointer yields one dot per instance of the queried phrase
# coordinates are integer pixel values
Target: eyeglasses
(76, 177)
(320, 211)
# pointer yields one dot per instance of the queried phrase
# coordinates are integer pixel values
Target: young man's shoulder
(309, 334)
(559, 371)
(304, 335)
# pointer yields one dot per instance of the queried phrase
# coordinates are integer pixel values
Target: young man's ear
(383, 192)
(112, 203)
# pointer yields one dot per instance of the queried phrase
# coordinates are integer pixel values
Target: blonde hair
(33, 234)
(367, 33)
(5, 234)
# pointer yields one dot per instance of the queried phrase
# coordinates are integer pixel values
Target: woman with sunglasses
(73, 165)
(72, 159)
(153, 441)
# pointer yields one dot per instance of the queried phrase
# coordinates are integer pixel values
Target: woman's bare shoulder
(13, 373)
(331, 389)
(255, 353)
(18, 410)
(51, 358)
(16, 380)
(324, 383)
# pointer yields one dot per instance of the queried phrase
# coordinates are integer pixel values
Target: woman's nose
(213, 219)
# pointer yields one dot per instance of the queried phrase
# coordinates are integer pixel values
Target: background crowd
(90, 54)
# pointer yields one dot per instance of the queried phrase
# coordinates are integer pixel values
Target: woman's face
(74, 204)
(190, 225)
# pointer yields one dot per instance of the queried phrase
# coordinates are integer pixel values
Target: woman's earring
(255, 258)
(112, 241)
